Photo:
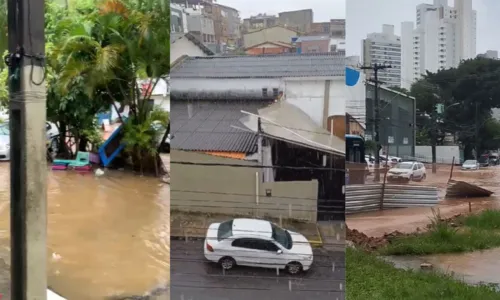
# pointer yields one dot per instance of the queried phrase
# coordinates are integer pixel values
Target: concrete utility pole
(376, 105)
(28, 172)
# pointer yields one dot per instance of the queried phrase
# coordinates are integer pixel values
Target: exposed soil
(368, 243)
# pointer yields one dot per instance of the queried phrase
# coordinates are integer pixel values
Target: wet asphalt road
(193, 278)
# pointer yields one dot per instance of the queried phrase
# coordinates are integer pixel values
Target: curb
(319, 242)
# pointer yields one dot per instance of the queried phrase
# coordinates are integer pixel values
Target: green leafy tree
(468, 93)
(110, 50)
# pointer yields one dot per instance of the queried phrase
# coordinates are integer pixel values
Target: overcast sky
(323, 10)
(367, 16)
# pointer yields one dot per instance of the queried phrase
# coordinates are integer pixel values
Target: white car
(470, 165)
(370, 163)
(4, 142)
(257, 243)
(407, 171)
(52, 133)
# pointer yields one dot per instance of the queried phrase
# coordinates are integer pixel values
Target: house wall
(337, 126)
(267, 49)
(273, 34)
(309, 96)
(230, 190)
(229, 89)
(183, 46)
(318, 46)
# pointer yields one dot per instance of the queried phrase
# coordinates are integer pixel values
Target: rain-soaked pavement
(475, 267)
(193, 278)
(107, 235)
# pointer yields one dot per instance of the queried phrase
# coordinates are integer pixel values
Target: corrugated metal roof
(207, 126)
(262, 66)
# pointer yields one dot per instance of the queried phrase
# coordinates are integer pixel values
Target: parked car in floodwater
(257, 243)
(4, 142)
(407, 171)
(484, 160)
(471, 164)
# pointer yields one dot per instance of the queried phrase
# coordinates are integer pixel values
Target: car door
(269, 257)
(415, 171)
(245, 252)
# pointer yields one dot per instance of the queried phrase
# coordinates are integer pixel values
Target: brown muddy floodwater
(107, 235)
(474, 267)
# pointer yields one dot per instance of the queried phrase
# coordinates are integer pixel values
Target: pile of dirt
(368, 243)
(454, 221)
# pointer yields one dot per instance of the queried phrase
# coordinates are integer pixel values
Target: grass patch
(477, 234)
(371, 278)
(488, 220)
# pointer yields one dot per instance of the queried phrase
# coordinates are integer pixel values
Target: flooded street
(475, 267)
(407, 220)
(107, 235)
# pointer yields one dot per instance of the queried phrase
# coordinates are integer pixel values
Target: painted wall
(233, 190)
(273, 34)
(308, 95)
(183, 46)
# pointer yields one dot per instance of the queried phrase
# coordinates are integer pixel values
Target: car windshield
(470, 162)
(404, 166)
(225, 230)
(282, 236)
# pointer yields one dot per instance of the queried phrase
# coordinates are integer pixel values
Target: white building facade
(384, 48)
(443, 36)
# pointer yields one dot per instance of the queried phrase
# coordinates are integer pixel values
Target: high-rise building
(491, 54)
(443, 36)
(384, 48)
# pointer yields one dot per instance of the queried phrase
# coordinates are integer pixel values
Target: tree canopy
(467, 95)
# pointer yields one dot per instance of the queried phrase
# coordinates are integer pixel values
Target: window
(275, 92)
(264, 92)
(225, 230)
(282, 236)
(415, 167)
(255, 244)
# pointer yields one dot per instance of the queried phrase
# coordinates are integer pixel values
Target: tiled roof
(262, 66)
(207, 126)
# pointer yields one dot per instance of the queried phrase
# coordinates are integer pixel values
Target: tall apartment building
(443, 36)
(384, 48)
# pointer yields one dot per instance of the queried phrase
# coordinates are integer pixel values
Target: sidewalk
(195, 225)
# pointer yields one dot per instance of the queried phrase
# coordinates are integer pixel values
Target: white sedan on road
(257, 243)
(470, 165)
(407, 171)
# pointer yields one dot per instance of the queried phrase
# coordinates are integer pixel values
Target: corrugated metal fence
(367, 197)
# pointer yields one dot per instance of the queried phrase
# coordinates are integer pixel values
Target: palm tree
(110, 51)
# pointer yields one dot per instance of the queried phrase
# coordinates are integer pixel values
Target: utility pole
(434, 124)
(28, 165)
(476, 121)
(375, 68)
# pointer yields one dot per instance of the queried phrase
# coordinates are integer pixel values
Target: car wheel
(294, 268)
(411, 178)
(227, 263)
(424, 177)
